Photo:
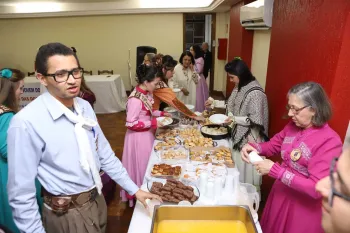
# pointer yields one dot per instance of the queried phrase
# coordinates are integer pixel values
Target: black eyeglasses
(334, 192)
(295, 110)
(63, 75)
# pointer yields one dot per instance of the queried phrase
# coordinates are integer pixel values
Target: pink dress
(202, 91)
(293, 204)
(139, 138)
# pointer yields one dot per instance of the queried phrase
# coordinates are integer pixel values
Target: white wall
(260, 56)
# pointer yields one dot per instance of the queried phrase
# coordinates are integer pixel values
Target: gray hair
(151, 56)
(313, 95)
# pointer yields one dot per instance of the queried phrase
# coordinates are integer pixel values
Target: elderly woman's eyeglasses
(333, 191)
(294, 109)
(63, 75)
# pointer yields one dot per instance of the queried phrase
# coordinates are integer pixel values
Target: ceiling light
(174, 4)
(36, 7)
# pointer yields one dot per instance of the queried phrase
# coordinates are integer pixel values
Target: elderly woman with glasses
(307, 145)
(335, 190)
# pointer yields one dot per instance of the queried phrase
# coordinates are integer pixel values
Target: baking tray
(209, 213)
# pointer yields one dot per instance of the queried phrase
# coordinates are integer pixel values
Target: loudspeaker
(141, 52)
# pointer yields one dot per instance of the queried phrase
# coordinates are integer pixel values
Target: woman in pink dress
(202, 92)
(141, 123)
(307, 146)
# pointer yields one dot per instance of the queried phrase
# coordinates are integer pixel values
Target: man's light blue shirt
(42, 143)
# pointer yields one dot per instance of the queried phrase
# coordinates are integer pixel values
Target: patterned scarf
(239, 105)
(161, 84)
(147, 102)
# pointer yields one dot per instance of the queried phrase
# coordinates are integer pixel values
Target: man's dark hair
(49, 50)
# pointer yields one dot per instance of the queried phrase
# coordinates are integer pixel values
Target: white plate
(165, 120)
(190, 107)
(176, 90)
(198, 113)
(218, 118)
(170, 109)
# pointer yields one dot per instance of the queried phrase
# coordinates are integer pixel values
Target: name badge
(295, 155)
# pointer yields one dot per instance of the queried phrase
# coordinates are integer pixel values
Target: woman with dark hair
(247, 108)
(86, 93)
(202, 92)
(186, 78)
(163, 95)
(11, 88)
(307, 145)
(141, 123)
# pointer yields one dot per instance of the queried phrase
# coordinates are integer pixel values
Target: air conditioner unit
(257, 15)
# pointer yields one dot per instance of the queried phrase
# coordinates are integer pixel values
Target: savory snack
(206, 122)
(187, 121)
(165, 170)
(207, 114)
(200, 156)
(174, 154)
(191, 132)
(191, 172)
(198, 141)
(223, 154)
(168, 133)
(214, 130)
(174, 191)
(167, 143)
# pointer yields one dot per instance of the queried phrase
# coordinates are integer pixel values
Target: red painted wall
(240, 40)
(310, 40)
(306, 40)
(341, 86)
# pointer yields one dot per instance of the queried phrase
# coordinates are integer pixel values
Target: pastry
(165, 170)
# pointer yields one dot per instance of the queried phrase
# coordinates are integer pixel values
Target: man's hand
(142, 196)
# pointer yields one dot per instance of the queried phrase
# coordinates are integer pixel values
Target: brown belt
(62, 203)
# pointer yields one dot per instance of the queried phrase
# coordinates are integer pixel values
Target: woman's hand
(228, 121)
(167, 114)
(263, 167)
(185, 91)
(198, 118)
(245, 151)
(208, 103)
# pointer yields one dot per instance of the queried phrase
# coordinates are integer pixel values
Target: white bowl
(165, 120)
(170, 109)
(176, 90)
(190, 107)
(218, 118)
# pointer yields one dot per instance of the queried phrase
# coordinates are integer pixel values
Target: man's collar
(54, 108)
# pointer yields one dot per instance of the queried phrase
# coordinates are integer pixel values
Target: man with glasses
(335, 190)
(57, 139)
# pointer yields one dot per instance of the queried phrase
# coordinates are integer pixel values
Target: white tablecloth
(141, 222)
(109, 91)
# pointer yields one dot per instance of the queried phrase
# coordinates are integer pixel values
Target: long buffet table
(141, 221)
(109, 91)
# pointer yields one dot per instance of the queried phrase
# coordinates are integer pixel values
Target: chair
(88, 72)
(31, 73)
(104, 72)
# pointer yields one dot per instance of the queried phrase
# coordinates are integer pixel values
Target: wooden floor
(113, 126)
